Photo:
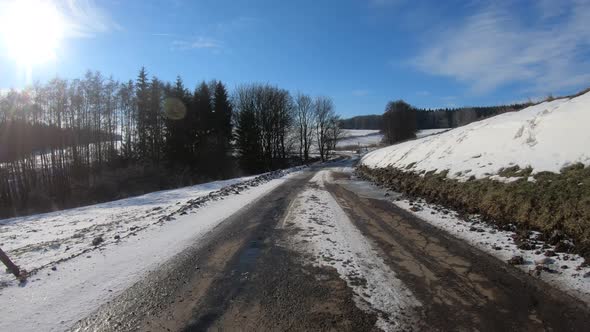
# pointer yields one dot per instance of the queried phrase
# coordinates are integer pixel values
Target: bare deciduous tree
(304, 115)
(326, 126)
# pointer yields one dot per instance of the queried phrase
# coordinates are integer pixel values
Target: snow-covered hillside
(546, 137)
(369, 137)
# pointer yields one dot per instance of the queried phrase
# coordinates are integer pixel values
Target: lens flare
(174, 109)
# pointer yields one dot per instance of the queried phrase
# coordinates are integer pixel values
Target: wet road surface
(250, 275)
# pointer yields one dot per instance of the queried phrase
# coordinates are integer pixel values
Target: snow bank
(546, 137)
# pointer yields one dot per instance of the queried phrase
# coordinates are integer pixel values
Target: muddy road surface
(319, 254)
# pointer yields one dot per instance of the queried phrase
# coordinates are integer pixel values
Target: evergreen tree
(142, 100)
(222, 127)
(176, 114)
(201, 127)
(248, 140)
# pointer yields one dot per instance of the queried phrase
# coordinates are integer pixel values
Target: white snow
(546, 137)
(328, 235)
(429, 132)
(348, 133)
(43, 239)
(359, 138)
(499, 243)
(54, 300)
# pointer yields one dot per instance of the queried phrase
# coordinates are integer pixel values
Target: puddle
(366, 189)
(248, 257)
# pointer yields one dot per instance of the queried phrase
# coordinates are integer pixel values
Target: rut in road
(460, 287)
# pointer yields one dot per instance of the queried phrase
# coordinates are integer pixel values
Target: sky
(362, 53)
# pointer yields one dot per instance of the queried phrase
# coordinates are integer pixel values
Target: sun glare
(31, 30)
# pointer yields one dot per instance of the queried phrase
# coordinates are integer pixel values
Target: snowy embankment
(546, 137)
(77, 272)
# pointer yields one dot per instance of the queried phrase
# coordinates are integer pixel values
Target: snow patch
(562, 270)
(331, 240)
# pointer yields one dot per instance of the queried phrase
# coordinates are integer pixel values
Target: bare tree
(304, 116)
(334, 134)
(263, 120)
(326, 123)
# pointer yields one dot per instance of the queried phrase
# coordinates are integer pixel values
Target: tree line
(401, 120)
(70, 142)
(435, 118)
(374, 122)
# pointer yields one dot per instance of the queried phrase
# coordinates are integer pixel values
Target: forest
(435, 118)
(67, 143)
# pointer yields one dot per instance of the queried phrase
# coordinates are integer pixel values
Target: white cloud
(360, 93)
(494, 47)
(200, 42)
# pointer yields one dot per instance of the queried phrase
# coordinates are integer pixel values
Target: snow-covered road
(330, 239)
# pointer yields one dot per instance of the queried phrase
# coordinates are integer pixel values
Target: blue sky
(362, 53)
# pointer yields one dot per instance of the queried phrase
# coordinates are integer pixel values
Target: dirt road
(317, 253)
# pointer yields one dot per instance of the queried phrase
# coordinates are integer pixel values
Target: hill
(528, 167)
(544, 137)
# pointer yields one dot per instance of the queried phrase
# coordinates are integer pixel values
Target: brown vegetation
(550, 202)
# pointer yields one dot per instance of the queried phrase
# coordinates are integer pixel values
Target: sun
(31, 30)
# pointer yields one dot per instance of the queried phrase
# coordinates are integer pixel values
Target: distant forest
(67, 143)
(435, 118)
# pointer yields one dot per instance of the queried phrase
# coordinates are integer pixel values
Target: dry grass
(552, 202)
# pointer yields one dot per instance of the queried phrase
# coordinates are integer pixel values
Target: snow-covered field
(348, 133)
(359, 138)
(139, 234)
(45, 239)
(331, 239)
(368, 138)
(546, 137)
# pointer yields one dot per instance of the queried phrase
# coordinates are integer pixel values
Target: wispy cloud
(84, 18)
(360, 93)
(494, 47)
(200, 42)
(80, 18)
(423, 93)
